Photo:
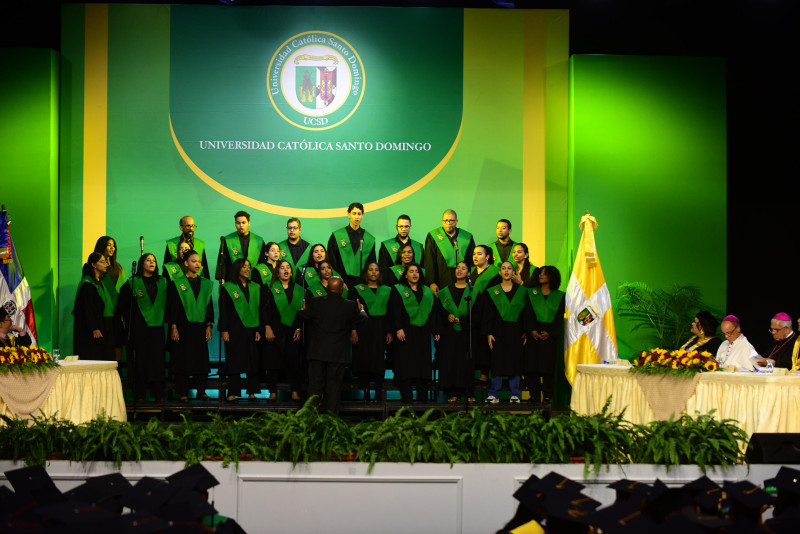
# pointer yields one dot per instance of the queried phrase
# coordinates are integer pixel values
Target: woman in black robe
(240, 328)
(413, 319)
(93, 328)
(505, 320)
(371, 338)
(113, 280)
(283, 331)
(190, 329)
(456, 367)
(142, 303)
(547, 333)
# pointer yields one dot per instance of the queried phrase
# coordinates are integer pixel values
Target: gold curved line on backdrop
(305, 212)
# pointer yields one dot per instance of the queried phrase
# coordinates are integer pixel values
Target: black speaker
(773, 448)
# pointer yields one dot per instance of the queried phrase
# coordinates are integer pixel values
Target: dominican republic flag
(15, 295)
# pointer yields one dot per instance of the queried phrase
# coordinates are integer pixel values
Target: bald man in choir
(352, 247)
(444, 248)
(333, 318)
(240, 244)
(187, 227)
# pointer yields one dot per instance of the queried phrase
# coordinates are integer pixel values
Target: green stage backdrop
(29, 171)
(648, 159)
(282, 111)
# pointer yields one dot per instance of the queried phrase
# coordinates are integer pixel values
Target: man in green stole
(389, 248)
(444, 248)
(351, 248)
(502, 248)
(187, 226)
(240, 244)
(294, 249)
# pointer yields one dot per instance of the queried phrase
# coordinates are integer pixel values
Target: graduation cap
(76, 513)
(101, 490)
(632, 491)
(195, 477)
(622, 517)
(746, 496)
(185, 506)
(693, 522)
(142, 523)
(33, 482)
(785, 524)
(787, 485)
(570, 514)
(712, 501)
(149, 494)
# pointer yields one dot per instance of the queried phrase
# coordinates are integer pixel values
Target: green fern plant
(665, 315)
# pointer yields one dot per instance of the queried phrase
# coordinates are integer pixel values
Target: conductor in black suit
(334, 319)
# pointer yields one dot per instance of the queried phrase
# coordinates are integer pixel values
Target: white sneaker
(514, 400)
(492, 400)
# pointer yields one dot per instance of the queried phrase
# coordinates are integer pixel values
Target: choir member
(413, 319)
(143, 303)
(190, 314)
(371, 339)
(282, 299)
(503, 320)
(456, 368)
(93, 311)
(240, 327)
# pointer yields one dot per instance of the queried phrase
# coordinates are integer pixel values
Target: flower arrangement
(25, 360)
(678, 363)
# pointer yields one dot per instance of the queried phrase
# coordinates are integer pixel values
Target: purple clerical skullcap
(782, 317)
(731, 319)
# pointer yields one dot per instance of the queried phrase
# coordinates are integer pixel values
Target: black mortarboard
(76, 513)
(621, 517)
(142, 523)
(693, 522)
(149, 494)
(186, 506)
(34, 482)
(230, 527)
(711, 501)
(195, 477)
(786, 523)
(570, 513)
(744, 495)
(101, 490)
(630, 490)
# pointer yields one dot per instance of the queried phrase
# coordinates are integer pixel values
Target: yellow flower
(675, 364)
(695, 361)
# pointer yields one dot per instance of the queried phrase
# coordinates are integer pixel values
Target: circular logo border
(360, 97)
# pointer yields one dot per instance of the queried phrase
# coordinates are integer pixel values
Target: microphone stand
(141, 245)
(303, 334)
(360, 258)
(132, 369)
(469, 349)
(220, 278)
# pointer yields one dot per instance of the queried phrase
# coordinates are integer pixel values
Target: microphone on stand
(141, 245)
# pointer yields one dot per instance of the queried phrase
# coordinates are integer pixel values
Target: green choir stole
(418, 312)
(484, 278)
(235, 247)
(376, 302)
(509, 310)
(450, 306)
(352, 259)
(286, 254)
(108, 303)
(447, 249)
(392, 246)
(287, 309)
(152, 311)
(545, 308)
(247, 310)
(195, 308)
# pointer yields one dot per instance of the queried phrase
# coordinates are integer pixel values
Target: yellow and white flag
(589, 333)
